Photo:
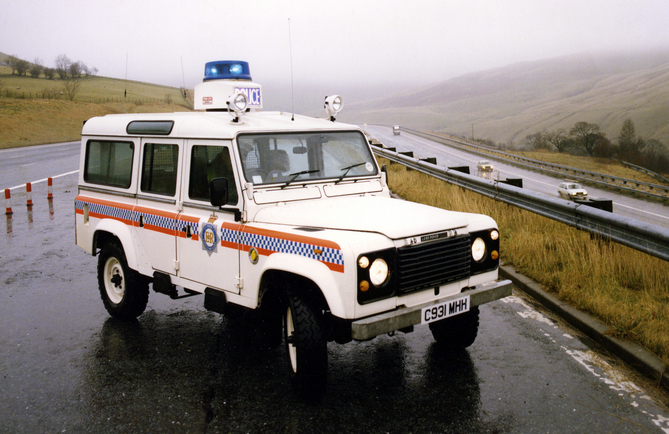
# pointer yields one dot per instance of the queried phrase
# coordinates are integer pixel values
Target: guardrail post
(516, 182)
(463, 169)
(50, 189)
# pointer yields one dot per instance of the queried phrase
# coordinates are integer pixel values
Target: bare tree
(536, 141)
(18, 65)
(11, 62)
(93, 72)
(63, 65)
(36, 68)
(75, 69)
(22, 67)
(586, 135)
(71, 87)
(559, 139)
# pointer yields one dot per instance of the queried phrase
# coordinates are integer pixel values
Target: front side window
(159, 169)
(207, 163)
(291, 157)
(109, 163)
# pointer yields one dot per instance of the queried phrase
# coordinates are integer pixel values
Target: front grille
(434, 263)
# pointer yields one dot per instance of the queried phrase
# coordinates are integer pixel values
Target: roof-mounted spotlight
(237, 104)
(333, 105)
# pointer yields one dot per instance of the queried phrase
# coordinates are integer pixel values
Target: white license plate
(443, 310)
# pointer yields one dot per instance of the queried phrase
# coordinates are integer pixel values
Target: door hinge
(176, 265)
(240, 282)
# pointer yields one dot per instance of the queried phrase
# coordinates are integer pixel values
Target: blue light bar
(227, 70)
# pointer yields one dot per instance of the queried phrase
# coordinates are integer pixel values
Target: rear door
(156, 212)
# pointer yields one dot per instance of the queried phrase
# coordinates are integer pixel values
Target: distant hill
(506, 104)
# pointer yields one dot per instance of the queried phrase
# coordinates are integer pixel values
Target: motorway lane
(32, 163)
(67, 367)
(639, 209)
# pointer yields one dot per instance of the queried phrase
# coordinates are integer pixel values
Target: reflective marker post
(29, 195)
(8, 202)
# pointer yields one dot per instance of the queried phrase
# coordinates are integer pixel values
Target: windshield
(291, 157)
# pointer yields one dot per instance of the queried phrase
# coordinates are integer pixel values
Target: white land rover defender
(285, 222)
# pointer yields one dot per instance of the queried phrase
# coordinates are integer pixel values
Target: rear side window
(159, 169)
(109, 163)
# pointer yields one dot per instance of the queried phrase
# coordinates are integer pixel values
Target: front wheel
(124, 292)
(457, 332)
(306, 347)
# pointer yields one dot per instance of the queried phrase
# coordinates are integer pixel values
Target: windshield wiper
(346, 169)
(296, 174)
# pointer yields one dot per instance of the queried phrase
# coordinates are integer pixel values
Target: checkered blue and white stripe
(329, 255)
(194, 227)
(159, 221)
(111, 211)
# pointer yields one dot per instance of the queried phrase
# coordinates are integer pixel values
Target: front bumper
(371, 326)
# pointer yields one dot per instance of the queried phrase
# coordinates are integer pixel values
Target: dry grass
(599, 165)
(626, 289)
(34, 122)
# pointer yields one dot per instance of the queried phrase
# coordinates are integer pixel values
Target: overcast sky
(344, 41)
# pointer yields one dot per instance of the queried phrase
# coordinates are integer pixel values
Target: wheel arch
(310, 275)
(110, 230)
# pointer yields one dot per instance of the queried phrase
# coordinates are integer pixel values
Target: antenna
(183, 77)
(292, 85)
(125, 91)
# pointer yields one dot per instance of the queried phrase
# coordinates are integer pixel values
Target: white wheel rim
(114, 280)
(290, 330)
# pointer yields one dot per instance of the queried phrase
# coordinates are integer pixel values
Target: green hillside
(506, 104)
(35, 111)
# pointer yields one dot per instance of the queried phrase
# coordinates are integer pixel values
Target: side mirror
(385, 172)
(218, 192)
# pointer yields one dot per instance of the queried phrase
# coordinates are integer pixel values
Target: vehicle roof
(214, 125)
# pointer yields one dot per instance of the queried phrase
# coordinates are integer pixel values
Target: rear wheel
(306, 347)
(457, 332)
(124, 292)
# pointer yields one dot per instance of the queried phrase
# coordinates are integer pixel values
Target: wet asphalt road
(66, 366)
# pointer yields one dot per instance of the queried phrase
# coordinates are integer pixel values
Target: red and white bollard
(50, 184)
(29, 194)
(8, 196)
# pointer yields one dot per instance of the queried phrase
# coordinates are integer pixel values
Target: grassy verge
(32, 120)
(626, 289)
(35, 121)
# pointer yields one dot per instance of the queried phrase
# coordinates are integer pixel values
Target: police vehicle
(280, 221)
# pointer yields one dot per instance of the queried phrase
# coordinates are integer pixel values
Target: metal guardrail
(643, 170)
(617, 183)
(647, 238)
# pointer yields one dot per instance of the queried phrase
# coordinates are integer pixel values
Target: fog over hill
(506, 104)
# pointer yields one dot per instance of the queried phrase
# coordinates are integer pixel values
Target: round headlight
(363, 262)
(478, 249)
(378, 272)
(494, 235)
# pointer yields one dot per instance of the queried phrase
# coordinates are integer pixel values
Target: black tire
(457, 332)
(124, 292)
(306, 347)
